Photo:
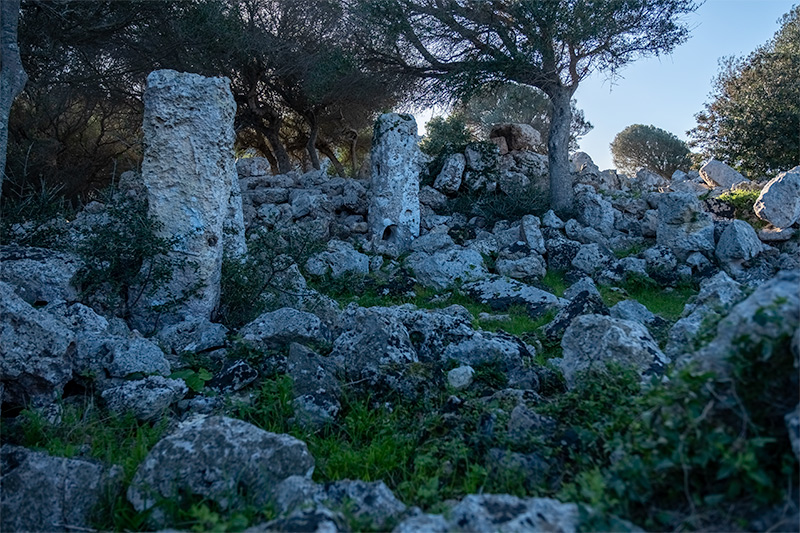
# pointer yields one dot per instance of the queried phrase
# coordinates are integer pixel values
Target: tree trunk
(562, 197)
(327, 152)
(12, 75)
(353, 147)
(281, 155)
(311, 145)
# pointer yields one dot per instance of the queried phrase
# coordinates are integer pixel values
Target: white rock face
(394, 213)
(189, 171)
(449, 179)
(779, 201)
(683, 226)
(738, 242)
(717, 174)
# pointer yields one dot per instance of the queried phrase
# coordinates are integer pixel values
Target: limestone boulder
(683, 226)
(717, 174)
(339, 259)
(444, 268)
(195, 335)
(500, 294)
(39, 275)
(592, 341)
(394, 211)
(189, 170)
(315, 387)
(146, 398)
(518, 137)
(449, 179)
(216, 458)
(281, 327)
(737, 244)
(779, 201)
(375, 342)
(595, 212)
(769, 314)
(36, 351)
(45, 493)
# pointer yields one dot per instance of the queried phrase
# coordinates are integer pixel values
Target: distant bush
(639, 146)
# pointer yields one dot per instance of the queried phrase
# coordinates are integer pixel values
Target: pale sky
(668, 91)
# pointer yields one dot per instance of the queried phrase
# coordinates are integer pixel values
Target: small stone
(461, 377)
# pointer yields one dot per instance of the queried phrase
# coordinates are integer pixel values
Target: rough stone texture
(114, 356)
(449, 179)
(561, 252)
(432, 242)
(444, 268)
(501, 293)
(233, 376)
(591, 258)
(233, 231)
(518, 136)
(584, 284)
(339, 259)
(372, 503)
(375, 341)
(738, 243)
(584, 303)
(394, 213)
(524, 425)
(717, 294)
(423, 522)
(769, 313)
(481, 158)
(591, 341)
(216, 458)
(194, 335)
(717, 174)
(318, 519)
(189, 170)
(647, 180)
(683, 226)
(36, 351)
(460, 377)
(39, 275)
(504, 513)
(146, 398)
(316, 390)
(595, 212)
(551, 220)
(779, 201)
(43, 493)
(526, 267)
(283, 326)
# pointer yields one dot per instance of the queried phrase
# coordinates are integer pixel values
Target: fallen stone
(281, 327)
(779, 201)
(38, 275)
(717, 174)
(447, 267)
(146, 398)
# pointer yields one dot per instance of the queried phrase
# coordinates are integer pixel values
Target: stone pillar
(394, 213)
(189, 171)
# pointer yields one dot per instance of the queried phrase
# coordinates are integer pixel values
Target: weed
(667, 304)
(742, 202)
(35, 217)
(555, 282)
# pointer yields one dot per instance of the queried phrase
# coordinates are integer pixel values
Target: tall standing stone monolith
(394, 213)
(189, 171)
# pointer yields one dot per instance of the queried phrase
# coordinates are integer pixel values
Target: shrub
(639, 146)
(124, 258)
(35, 216)
(250, 285)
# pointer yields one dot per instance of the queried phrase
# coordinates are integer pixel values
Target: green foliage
(753, 119)
(496, 206)
(668, 303)
(639, 146)
(34, 216)
(251, 285)
(195, 379)
(742, 202)
(446, 135)
(124, 258)
(85, 429)
(522, 104)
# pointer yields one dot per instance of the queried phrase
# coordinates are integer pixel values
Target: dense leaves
(753, 121)
(639, 146)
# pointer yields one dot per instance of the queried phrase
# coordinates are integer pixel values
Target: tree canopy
(521, 104)
(462, 45)
(639, 146)
(753, 120)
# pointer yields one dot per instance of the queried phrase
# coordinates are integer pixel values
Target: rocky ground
(633, 366)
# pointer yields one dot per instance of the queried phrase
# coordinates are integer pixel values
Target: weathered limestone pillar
(189, 171)
(394, 193)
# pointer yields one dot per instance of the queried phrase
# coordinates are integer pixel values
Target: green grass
(742, 202)
(554, 281)
(666, 303)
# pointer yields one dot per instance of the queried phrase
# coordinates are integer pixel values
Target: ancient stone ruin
(394, 215)
(189, 171)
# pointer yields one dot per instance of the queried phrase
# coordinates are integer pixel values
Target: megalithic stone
(189, 171)
(394, 213)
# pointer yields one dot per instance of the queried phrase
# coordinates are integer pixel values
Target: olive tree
(552, 45)
(639, 146)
